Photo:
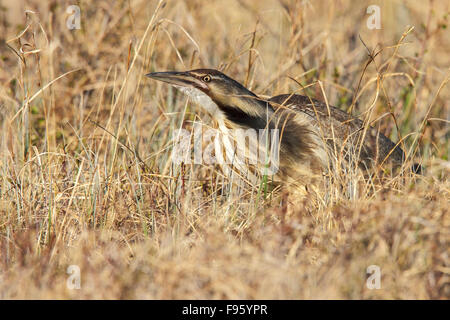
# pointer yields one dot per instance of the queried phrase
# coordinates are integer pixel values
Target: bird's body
(313, 137)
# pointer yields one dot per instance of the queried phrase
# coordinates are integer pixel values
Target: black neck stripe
(241, 118)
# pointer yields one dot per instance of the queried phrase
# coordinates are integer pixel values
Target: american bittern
(314, 137)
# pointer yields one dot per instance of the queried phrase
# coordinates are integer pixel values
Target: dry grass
(85, 171)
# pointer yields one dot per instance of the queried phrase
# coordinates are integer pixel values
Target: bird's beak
(182, 79)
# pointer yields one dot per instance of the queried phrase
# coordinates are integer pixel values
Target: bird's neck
(247, 112)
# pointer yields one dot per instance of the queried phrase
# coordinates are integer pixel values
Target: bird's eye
(206, 78)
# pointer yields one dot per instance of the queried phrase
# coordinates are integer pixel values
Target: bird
(313, 137)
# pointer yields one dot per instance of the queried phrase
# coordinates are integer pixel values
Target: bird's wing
(339, 125)
(310, 107)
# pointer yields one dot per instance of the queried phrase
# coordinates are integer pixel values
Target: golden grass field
(86, 176)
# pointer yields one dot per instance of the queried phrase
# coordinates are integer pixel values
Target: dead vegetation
(86, 176)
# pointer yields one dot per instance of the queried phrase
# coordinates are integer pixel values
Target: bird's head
(223, 97)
